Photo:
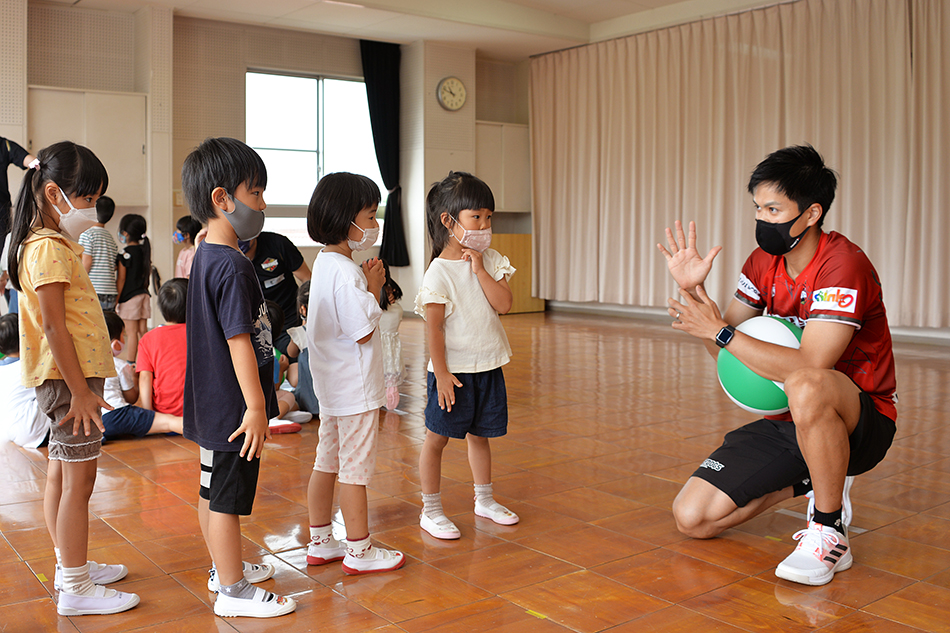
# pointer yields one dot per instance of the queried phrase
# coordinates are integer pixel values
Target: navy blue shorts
(481, 406)
(128, 420)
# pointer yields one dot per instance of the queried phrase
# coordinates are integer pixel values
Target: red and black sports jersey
(838, 284)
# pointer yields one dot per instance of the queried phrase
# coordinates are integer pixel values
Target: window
(304, 128)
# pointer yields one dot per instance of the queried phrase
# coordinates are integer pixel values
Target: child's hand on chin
(475, 257)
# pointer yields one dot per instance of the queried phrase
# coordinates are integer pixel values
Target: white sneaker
(300, 417)
(99, 574)
(496, 512)
(103, 602)
(264, 604)
(822, 551)
(252, 572)
(846, 513)
(325, 551)
(371, 559)
(441, 528)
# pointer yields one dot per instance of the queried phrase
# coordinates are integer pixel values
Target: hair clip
(35, 164)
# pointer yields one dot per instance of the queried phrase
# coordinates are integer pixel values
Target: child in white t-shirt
(21, 420)
(393, 368)
(347, 368)
(463, 291)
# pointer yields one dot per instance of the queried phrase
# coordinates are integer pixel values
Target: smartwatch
(725, 336)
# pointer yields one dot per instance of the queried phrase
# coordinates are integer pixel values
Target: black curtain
(381, 74)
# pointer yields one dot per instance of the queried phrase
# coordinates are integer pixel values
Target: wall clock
(451, 93)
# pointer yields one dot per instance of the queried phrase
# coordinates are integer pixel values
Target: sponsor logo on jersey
(747, 288)
(839, 299)
(713, 464)
(269, 264)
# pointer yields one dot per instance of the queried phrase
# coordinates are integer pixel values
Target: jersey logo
(269, 264)
(838, 299)
(747, 288)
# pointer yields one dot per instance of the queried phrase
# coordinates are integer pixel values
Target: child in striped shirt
(100, 252)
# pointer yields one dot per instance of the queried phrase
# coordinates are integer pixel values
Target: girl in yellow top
(66, 355)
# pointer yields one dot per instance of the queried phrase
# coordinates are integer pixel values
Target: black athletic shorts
(228, 481)
(764, 456)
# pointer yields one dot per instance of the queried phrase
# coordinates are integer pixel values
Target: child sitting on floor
(289, 418)
(21, 422)
(121, 390)
(162, 354)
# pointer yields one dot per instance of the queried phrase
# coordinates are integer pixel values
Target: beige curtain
(630, 134)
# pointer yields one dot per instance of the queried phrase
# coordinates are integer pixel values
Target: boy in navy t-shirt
(229, 389)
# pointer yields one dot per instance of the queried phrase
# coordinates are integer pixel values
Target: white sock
(359, 547)
(322, 535)
(76, 581)
(59, 557)
(483, 494)
(432, 505)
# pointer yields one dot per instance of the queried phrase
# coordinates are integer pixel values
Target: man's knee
(809, 391)
(692, 516)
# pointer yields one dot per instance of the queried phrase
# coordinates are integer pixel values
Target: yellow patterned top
(48, 257)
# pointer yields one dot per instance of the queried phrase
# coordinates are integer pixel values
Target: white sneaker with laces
(99, 574)
(104, 601)
(264, 604)
(496, 512)
(846, 512)
(369, 559)
(822, 551)
(440, 527)
(252, 572)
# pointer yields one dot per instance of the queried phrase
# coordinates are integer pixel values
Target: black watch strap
(725, 336)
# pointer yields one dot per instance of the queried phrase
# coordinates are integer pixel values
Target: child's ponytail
(74, 168)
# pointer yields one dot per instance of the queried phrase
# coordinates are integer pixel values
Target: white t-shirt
(123, 381)
(475, 339)
(21, 420)
(347, 376)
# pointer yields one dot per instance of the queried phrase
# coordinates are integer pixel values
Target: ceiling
(507, 30)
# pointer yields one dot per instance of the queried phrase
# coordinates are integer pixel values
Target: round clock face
(451, 93)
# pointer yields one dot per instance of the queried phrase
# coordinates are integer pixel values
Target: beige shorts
(136, 308)
(53, 398)
(348, 446)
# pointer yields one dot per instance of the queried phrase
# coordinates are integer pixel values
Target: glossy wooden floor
(608, 419)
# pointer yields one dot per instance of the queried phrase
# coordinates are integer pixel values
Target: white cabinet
(503, 160)
(113, 125)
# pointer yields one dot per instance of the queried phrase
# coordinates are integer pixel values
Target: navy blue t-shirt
(224, 300)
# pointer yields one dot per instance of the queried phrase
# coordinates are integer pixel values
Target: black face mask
(776, 239)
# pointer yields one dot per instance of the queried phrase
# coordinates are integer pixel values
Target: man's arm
(823, 342)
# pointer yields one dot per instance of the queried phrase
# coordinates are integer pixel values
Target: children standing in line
(100, 254)
(65, 355)
(463, 291)
(134, 267)
(230, 355)
(347, 367)
(186, 232)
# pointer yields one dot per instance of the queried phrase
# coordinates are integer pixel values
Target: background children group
(224, 181)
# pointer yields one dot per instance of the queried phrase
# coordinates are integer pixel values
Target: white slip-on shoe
(103, 602)
(325, 551)
(441, 527)
(252, 572)
(496, 512)
(99, 574)
(264, 604)
(372, 559)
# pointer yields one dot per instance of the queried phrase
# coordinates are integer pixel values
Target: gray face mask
(246, 222)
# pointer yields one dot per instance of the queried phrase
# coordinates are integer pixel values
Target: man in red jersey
(840, 383)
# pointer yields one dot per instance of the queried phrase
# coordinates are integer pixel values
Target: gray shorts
(53, 398)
